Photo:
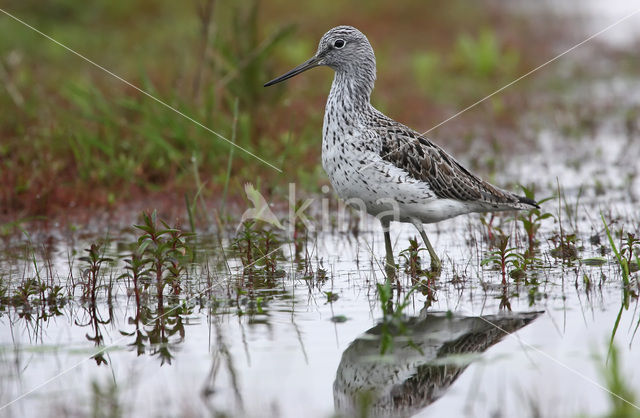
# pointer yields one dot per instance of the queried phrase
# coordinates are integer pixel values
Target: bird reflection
(428, 356)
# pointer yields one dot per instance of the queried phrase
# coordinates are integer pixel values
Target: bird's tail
(528, 203)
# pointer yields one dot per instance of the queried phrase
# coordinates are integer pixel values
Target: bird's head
(345, 49)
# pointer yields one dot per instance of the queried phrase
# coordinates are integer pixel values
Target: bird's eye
(339, 43)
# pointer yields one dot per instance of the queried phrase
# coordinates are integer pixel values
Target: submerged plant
(331, 296)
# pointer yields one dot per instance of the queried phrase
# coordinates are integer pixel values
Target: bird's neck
(351, 90)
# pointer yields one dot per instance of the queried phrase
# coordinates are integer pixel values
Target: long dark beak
(307, 65)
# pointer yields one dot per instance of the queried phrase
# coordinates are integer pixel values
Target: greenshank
(415, 375)
(384, 167)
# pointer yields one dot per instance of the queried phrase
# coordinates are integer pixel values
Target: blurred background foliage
(73, 136)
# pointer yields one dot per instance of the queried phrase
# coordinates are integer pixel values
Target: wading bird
(395, 173)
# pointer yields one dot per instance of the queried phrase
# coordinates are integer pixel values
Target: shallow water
(286, 350)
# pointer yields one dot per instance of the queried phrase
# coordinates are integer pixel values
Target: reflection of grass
(621, 394)
(106, 400)
(393, 316)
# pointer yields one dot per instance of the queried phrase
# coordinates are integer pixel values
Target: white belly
(351, 158)
(381, 189)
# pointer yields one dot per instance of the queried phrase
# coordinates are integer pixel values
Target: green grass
(626, 278)
(91, 132)
(74, 135)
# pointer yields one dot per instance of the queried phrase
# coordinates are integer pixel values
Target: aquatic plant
(91, 274)
(258, 249)
(90, 286)
(160, 257)
(503, 256)
(566, 244)
(564, 247)
(138, 271)
(630, 250)
(412, 260)
(4, 293)
(393, 316)
(424, 280)
(622, 262)
(531, 220)
(331, 296)
(39, 290)
(24, 292)
(163, 248)
(629, 245)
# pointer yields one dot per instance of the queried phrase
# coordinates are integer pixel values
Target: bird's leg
(436, 265)
(390, 266)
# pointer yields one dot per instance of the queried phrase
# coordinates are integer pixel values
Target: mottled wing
(425, 161)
